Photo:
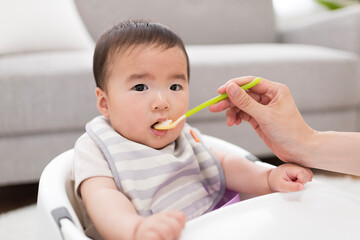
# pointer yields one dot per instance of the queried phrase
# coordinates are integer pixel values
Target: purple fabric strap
(229, 198)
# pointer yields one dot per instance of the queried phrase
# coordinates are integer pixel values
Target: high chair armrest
(66, 225)
(70, 231)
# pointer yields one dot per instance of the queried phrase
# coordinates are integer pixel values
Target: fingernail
(233, 90)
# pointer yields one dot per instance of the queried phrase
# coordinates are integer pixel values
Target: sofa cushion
(44, 92)
(41, 25)
(320, 78)
(197, 22)
(23, 158)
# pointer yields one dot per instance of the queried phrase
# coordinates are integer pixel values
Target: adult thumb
(242, 100)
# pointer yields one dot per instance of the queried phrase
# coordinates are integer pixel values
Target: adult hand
(271, 111)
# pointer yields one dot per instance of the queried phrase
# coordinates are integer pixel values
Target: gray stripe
(191, 208)
(212, 180)
(144, 153)
(145, 213)
(198, 149)
(104, 128)
(177, 195)
(180, 146)
(206, 164)
(115, 140)
(151, 192)
(143, 174)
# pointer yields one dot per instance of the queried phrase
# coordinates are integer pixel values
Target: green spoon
(168, 124)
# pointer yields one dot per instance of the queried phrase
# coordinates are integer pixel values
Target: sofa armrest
(338, 29)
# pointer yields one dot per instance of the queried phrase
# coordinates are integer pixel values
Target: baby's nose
(161, 107)
(160, 103)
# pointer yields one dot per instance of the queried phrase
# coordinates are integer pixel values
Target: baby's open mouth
(162, 125)
(152, 126)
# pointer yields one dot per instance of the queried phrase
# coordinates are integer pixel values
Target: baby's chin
(160, 144)
(163, 138)
(156, 142)
(162, 147)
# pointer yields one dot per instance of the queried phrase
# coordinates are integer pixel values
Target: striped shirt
(182, 176)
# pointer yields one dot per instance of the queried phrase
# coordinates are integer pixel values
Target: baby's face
(146, 85)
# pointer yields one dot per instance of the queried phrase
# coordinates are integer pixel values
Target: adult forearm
(333, 151)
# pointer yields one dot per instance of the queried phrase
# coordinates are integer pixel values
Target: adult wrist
(307, 146)
(311, 149)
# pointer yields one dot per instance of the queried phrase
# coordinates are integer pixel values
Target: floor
(13, 197)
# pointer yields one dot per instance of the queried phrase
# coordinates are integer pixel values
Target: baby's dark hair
(125, 35)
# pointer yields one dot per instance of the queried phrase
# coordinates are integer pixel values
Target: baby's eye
(175, 87)
(140, 87)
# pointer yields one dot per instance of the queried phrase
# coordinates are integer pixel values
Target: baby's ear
(102, 102)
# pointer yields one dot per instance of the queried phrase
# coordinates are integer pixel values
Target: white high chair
(318, 212)
(59, 215)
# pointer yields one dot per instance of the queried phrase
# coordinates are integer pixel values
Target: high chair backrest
(59, 216)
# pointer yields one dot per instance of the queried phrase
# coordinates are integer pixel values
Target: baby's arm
(244, 176)
(114, 216)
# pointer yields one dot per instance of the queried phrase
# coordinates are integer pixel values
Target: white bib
(182, 176)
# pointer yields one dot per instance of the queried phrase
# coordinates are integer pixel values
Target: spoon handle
(219, 98)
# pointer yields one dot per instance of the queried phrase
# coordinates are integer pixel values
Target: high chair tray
(318, 212)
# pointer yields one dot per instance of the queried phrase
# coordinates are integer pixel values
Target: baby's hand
(289, 178)
(161, 226)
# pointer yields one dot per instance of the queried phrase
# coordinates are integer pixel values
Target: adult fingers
(220, 106)
(243, 101)
(240, 81)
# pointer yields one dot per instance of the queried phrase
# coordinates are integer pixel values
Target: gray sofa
(48, 97)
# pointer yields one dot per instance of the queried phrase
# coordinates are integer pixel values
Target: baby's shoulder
(84, 140)
(85, 145)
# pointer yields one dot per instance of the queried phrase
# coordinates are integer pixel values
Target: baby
(135, 182)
